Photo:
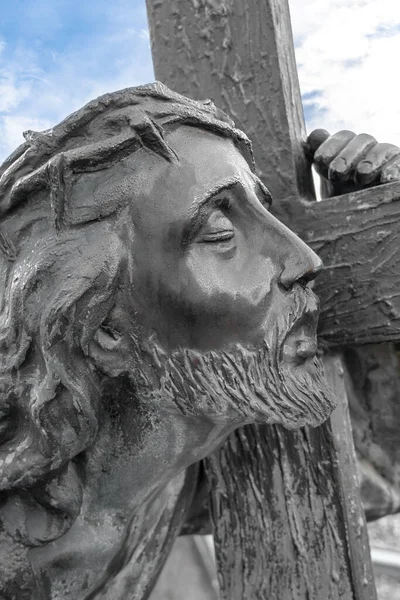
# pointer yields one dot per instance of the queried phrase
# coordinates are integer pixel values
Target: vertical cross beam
(294, 529)
(241, 56)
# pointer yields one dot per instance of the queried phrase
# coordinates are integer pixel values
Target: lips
(297, 350)
(300, 343)
(306, 348)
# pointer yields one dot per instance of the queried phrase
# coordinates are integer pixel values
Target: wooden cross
(295, 529)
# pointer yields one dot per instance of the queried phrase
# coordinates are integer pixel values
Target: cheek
(236, 283)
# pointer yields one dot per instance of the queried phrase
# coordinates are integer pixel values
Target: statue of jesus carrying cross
(151, 304)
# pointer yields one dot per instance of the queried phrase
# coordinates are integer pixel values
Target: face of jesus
(221, 284)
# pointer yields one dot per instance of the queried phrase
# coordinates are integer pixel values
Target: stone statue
(150, 304)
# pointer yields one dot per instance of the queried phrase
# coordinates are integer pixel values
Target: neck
(134, 477)
(168, 443)
(148, 444)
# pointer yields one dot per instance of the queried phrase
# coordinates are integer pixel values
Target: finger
(368, 170)
(330, 149)
(343, 166)
(314, 141)
(391, 171)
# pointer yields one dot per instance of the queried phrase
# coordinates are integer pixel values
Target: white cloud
(347, 53)
(11, 93)
(11, 128)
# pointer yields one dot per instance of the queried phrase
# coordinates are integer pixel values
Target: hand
(351, 162)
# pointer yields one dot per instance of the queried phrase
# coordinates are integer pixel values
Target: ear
(110, 352)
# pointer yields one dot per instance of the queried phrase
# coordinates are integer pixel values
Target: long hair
(61, 262)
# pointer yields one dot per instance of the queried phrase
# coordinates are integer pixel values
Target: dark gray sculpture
(150, 305)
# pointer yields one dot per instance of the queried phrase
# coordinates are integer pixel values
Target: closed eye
(218, 228)
(218, 236)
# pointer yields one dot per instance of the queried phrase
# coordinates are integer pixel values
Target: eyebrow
(222, 186)
(208, 199)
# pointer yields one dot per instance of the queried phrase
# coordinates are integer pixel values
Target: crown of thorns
(97, 136)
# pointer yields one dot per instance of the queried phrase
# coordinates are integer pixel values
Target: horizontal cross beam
(357, 236)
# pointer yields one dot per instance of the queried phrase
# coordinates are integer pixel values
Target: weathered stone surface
(145, 316)
(356, 235)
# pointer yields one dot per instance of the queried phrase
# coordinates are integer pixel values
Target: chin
(305, 392)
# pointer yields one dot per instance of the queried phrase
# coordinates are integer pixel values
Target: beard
(242, 385)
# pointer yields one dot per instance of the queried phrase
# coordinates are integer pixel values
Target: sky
(56, 55)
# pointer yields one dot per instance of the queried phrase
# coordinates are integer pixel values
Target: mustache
(306, 309)
(301, 311)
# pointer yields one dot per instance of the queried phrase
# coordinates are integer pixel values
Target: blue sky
(55, 55)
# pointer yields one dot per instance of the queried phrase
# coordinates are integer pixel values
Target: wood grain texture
(286, 535)
(347, 476)
(357, 237)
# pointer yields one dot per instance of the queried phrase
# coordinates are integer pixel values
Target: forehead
(205, 157)
(199, 148)
(205, 160)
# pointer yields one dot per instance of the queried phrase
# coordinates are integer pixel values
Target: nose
(300, 263)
